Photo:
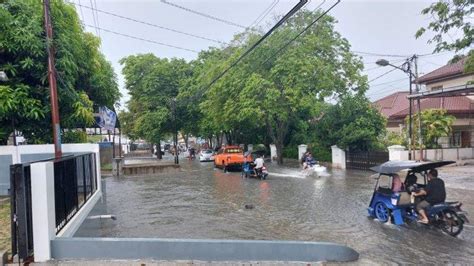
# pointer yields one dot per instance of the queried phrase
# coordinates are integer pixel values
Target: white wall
(454, 154)
(338, 157)
(451, 82)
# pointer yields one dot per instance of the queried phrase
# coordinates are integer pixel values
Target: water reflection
(200, 202)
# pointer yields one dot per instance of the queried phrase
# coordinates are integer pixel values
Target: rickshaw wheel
(381, 212)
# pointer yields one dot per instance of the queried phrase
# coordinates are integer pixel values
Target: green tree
(351, 124)
(153, 84)
(449, 15)
(280, 92)
(435, 123)
(85, 79)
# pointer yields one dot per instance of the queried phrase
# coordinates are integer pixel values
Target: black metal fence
(364, 160)
(74, 183)
(75, 180)
(21, 213)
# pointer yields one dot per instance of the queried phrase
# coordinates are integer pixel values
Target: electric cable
(265, 12)
(302, 32)
(290, 13)
(391, 70)
(153, 25)
(143, 39)
(204, 14)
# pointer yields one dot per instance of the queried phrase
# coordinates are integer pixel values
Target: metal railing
(364, 160)
(21, 212)
(75, 180)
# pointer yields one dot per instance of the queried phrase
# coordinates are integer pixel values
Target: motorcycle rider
(258, 164)
(309, 161)
(435, 193)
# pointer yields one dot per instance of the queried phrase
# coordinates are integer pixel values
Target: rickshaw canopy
(392, 167)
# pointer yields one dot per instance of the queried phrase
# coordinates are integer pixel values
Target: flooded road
(198, 201)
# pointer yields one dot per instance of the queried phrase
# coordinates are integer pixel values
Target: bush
(74, 137)
(320, 152)
(290, 152)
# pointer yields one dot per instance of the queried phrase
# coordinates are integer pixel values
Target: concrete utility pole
(48, 27)
(420, 137)
(173, 106)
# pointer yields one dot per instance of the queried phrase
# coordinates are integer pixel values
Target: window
(439, 87)
(455, 140)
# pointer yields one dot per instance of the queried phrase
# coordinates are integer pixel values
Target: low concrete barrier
(194, 249)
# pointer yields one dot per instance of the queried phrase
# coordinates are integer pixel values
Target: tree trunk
(279, 147)
(228, 137)
(210, 142)
(158, 151)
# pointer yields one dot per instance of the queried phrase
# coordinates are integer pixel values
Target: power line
(96, 15)
(303, 31)
(377, 54)
(82, 14)
(204, 15)
(143, 39)
(382, 75)
(93, 19)
(153, 25)
(388, 82)
(265, 13)
(290, 13)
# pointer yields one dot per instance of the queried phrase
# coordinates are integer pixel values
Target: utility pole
(48, 27)
(420, 137)
(173, 106)
(410, 137)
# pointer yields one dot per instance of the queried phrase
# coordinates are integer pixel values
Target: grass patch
(5, 242)
(107, 166)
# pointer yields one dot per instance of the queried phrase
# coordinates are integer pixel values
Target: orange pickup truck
(229, 157)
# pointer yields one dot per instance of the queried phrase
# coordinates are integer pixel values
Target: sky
(383, 27)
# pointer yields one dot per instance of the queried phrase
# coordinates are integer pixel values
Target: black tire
(451, 223)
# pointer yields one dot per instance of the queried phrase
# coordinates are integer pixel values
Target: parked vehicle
(206, 155)
(399, 207)
(229, 157)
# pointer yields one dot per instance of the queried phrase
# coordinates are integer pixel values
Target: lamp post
(405, 67)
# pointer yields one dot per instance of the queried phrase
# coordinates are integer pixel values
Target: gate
(75, 181)
(364, 160)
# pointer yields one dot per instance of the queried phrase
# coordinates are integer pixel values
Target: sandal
(423, 222)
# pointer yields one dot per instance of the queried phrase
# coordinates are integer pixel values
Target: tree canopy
(269, 97)
(85, 78)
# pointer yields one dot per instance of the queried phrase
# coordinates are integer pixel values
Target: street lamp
(405, 67)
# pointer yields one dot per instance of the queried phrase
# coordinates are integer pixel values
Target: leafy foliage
(351, 124)
(85, 79)
(435, 123)
(448, 15)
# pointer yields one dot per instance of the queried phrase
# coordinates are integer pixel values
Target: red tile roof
(454, 105)
(396, 105)
(392, 103)
(443, 72)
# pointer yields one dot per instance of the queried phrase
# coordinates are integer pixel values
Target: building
(442, 82)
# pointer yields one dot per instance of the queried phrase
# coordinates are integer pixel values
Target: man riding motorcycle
(435, 193)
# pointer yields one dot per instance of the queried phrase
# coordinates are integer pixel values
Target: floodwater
(198, 201)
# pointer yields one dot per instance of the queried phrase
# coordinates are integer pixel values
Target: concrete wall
(338, 157)
(28, 153)
(202, 250)
(453, 154)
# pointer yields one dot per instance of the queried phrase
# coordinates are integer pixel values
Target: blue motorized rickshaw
(399, 207)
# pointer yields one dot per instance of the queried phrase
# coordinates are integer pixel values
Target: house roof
(446, 71)
(454, 105)
(392, 103)
(396, 105)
